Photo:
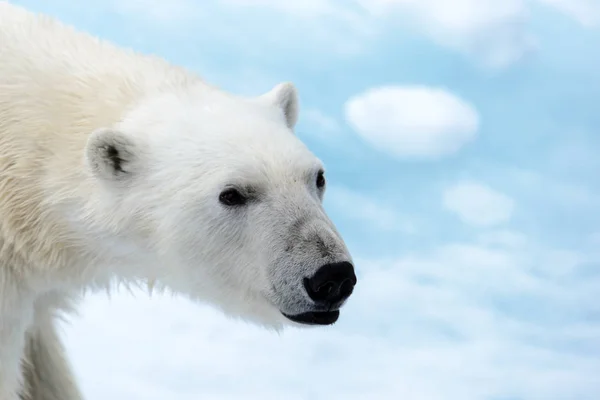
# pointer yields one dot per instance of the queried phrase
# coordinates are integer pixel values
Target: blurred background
(461, 140)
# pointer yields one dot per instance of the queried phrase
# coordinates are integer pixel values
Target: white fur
(70, 221)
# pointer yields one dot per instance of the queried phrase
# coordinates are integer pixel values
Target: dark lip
(315, 317)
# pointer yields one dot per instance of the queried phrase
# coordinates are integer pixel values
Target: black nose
(331, 284)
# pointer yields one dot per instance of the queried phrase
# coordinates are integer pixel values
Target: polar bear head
(224, 203)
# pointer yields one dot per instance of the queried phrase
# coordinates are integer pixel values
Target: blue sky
(460, 142)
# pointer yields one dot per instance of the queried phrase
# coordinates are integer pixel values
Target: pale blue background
(446, 308)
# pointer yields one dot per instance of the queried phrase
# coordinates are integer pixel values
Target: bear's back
(70, 80)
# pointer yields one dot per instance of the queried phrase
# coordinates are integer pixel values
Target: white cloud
(413, 121)
(495, 31)
(459, 321)
(478, 204)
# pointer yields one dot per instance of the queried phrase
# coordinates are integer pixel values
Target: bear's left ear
(285, 97)
(112, 155)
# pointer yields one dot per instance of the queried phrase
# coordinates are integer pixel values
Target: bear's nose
(331, 284)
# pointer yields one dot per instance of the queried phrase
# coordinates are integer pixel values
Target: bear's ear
(111, 155)
(285, 97)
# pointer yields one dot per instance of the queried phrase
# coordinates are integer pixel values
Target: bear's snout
(328, 288)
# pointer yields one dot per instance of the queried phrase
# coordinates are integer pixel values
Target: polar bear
(120, 167)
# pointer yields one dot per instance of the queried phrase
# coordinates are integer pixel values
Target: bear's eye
(321, 180)
(232, 197)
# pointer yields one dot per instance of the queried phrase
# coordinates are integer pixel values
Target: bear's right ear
(111, 155)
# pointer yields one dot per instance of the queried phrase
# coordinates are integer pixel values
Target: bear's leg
(46, 371)
(16, 315)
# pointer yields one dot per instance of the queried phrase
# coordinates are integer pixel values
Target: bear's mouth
(315, 317)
